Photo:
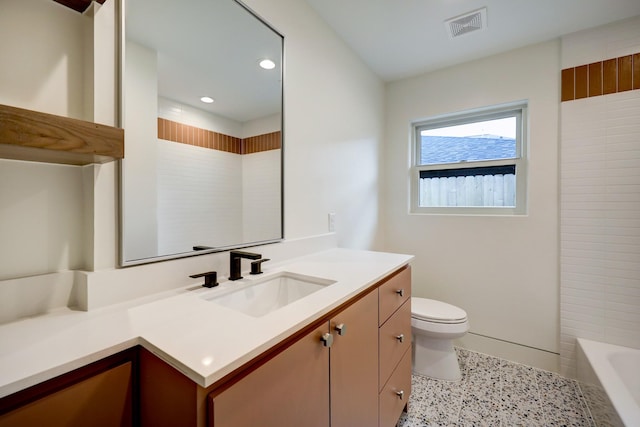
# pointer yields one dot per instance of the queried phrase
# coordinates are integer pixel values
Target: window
(471, 162)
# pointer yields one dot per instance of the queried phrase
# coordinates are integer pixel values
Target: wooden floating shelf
(42, 137)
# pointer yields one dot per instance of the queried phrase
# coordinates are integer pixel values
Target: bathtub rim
(597, 354)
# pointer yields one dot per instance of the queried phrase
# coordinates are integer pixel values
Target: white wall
(210, 216)
(43, 42)
(188, 115)
(600, 203)
(41, 206)
(261, 195)
(333, 129)
(503, 270)
(335, 151)
(41, 218)
(140, 164)
(261, 184)
(333, 140)
(261, 126)
(240, 199)
(332, 155)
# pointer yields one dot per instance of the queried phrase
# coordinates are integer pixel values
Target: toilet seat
(436, 311)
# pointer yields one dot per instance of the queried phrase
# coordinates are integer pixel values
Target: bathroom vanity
(339, 356)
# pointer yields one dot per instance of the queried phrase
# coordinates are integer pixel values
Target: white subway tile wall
(187, 217)
(261, 196)
(600, 202)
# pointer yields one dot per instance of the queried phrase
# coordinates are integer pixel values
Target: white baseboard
(540, 359)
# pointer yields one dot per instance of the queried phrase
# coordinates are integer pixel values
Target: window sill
(470, 211)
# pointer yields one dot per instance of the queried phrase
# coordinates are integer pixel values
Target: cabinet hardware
(327, 339)
(341, 328)
(400, 394)
(400, 292)
(400, 337)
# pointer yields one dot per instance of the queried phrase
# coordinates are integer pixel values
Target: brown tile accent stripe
(582, 81)
(636, 71)
(191, 135)
(625, 73)
(568, 84)
(185, 134)
(265, 142)
(609, 76)
(601, 78)
(595, 79)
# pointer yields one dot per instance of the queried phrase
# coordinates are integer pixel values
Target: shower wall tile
(610, 76)
(600, 192)
(625, 73)
(265, 142)
(601, 78)
(595, 79)
(636, 71)
(582, 82)
(568, 84)
(615, 47)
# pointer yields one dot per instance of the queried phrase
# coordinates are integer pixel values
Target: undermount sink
(265, 295)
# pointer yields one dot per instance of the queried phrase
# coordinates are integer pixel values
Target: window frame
(517, 109)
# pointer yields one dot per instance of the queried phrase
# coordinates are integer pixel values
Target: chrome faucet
(235, 263)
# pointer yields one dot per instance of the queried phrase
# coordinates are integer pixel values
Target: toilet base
(435, 358)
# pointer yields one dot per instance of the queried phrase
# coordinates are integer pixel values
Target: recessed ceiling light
(267, 64)
(206, 99)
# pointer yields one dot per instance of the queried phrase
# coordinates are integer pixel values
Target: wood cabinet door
(103, 400)
(291, 389)
(354, 364)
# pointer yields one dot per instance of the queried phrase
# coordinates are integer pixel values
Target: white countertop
(203, 340)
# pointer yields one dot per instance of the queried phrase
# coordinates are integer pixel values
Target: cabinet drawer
(393, 294)
(395, 395)
(394, 338)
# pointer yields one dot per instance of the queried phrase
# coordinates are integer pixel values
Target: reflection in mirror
(199, 176)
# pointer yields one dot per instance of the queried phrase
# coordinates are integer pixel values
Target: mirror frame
(120, 63)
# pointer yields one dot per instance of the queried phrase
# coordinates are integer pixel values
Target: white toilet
(435, 325)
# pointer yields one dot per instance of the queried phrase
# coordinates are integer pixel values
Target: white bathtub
(609, 376)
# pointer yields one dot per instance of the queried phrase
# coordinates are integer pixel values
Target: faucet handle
(256, 266)
(210, 278)
(202, 247)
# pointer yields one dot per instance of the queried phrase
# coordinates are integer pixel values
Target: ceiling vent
(467, 23)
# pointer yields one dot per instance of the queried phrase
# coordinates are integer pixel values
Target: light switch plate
(332, 222)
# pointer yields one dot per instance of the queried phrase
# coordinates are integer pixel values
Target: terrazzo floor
(496, 392)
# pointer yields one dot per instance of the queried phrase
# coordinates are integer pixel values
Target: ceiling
(211, 48)
(402, 38)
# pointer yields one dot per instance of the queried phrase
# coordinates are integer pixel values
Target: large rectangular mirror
(199, 174)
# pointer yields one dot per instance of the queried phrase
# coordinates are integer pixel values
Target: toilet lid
(436, 311)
